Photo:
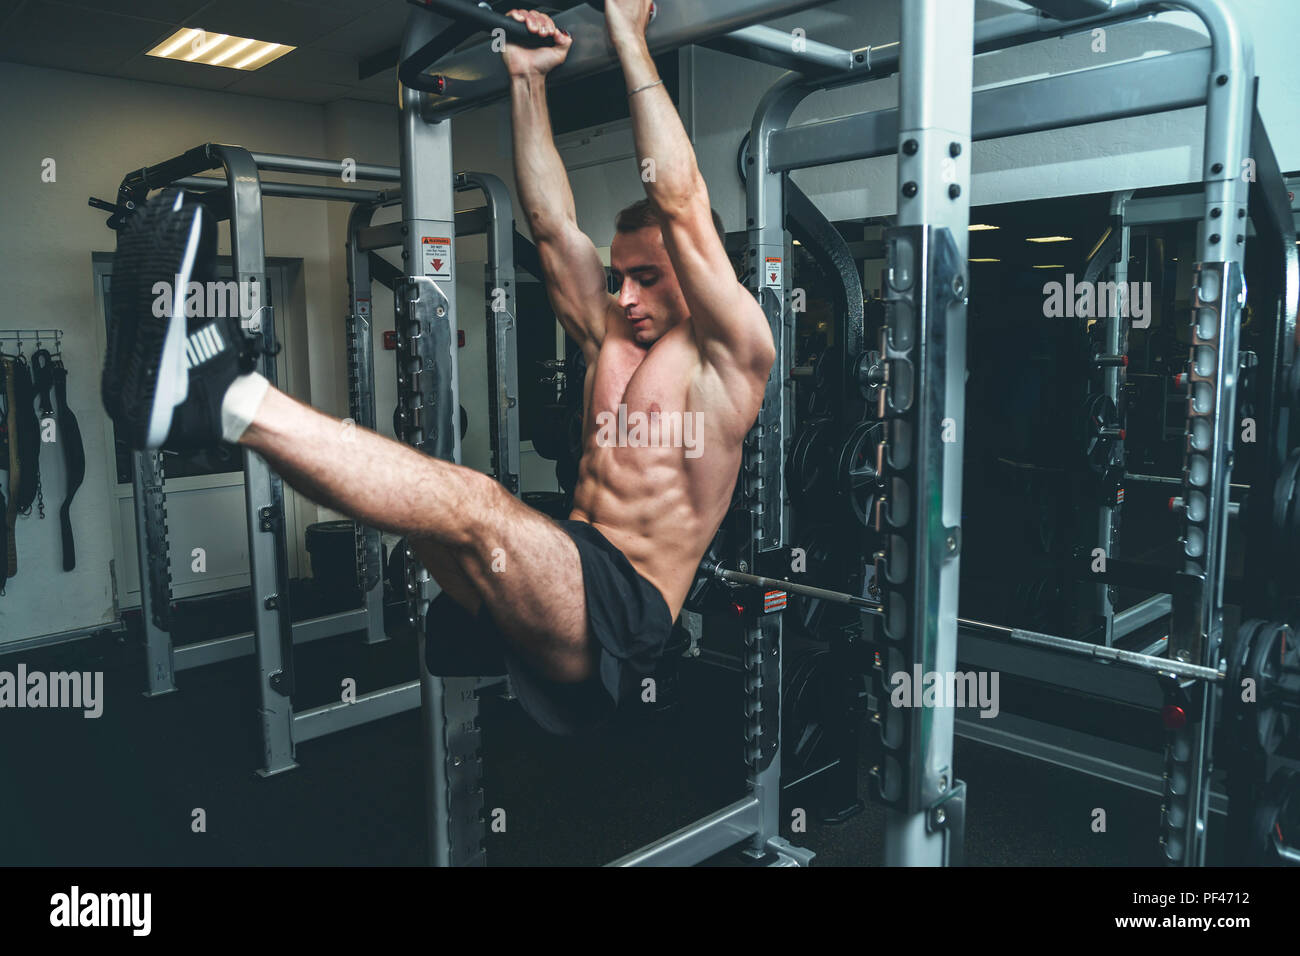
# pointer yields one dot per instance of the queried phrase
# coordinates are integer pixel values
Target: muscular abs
(659, 504)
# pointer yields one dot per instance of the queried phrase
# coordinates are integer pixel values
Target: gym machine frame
(1122, 763)
(238, 198)
(1222, 79)
(919, 784)
(281, 728)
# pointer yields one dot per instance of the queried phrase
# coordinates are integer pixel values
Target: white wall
(97, 129)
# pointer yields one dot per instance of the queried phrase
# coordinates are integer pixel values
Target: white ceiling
(110, 37)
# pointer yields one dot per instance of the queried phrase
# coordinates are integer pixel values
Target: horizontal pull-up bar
(275, 162)
(776, 48)
(291, 190)
(476, 76)
(1070, 9)
(1135, 88)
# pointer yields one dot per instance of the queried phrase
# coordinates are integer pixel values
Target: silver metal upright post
(925, 399)
(1116, 344)
(1219, 295)
(263, 491)
(762, 477)
(154, 561)
(503, 363)
(361, 405)
(429, 388)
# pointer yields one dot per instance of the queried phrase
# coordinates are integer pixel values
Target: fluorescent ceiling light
(1050, 239)
(1049, 267)
(193, 45)
(204, 44)
(175, 42)
(983, 260)
(230, 51)
(271, 51)
(982, 227)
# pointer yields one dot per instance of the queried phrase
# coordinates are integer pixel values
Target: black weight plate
(805, 695)
(708, 595)
(1264, 664)
(808, 469)
(1284, 496)
(856, 475)
(818, 404)
(1239, 656)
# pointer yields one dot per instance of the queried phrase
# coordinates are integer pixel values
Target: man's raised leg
(178, 379)
(479, 541)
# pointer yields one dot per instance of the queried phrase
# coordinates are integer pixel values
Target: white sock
(240, 404)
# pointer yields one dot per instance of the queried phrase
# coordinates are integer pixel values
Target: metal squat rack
(923, 350)
(237, 197)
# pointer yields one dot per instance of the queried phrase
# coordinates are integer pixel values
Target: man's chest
(654, 379)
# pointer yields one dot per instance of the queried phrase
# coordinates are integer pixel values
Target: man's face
(648, 292)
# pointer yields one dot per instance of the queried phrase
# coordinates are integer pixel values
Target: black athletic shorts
(627, 619)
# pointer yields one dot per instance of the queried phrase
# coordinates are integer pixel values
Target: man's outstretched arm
(575, 276)
(730, 327)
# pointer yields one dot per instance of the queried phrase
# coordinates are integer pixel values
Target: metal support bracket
(948, 816)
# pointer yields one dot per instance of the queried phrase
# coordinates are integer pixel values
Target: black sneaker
(166, 373)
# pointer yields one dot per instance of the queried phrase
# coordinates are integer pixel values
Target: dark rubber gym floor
(121, 789)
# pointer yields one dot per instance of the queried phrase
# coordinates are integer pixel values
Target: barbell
(711, 569)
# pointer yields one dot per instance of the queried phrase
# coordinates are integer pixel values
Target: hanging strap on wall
(15, 467)
(74, 458)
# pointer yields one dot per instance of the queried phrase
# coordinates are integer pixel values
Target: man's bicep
(576, 284)
(733, 332)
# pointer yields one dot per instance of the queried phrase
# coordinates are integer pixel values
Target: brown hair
(642, 214)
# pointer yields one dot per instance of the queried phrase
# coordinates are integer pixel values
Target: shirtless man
(583, 608)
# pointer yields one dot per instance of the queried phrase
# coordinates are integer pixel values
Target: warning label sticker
(772, 274)
(437, 256)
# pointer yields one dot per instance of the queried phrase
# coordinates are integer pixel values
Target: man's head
(648, 292)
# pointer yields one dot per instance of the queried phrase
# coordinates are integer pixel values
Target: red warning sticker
(437, 256)
(772, 272)
(773, 601)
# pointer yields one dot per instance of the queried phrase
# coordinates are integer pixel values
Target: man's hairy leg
(485, 541)
(380, 482)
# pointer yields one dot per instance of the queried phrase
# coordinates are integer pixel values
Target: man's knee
(475, 526)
